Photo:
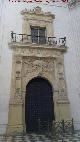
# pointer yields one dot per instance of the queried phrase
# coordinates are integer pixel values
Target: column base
(14, 129)
(15, 118)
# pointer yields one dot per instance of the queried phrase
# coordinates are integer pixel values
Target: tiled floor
(41, 138)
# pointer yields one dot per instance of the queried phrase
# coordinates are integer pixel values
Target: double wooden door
(39, 106)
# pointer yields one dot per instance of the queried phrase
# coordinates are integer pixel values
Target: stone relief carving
(18, 62)
(61, 76)
(18, 91)
(37, 65)
(18, 74)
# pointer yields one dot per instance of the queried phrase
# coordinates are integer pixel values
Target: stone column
(63, 105)
(15, 120)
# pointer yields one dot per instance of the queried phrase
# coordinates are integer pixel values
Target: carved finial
(38, 9)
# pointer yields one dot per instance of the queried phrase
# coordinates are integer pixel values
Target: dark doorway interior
(39, 106)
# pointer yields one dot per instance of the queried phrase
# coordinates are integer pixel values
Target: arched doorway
(39, 106)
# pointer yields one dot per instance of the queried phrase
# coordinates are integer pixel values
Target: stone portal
(38, 62)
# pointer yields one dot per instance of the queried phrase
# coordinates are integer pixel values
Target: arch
(39, 105)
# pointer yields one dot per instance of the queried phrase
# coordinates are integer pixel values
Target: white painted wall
(67, 23)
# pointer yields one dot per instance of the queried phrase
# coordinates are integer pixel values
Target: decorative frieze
(42, 52)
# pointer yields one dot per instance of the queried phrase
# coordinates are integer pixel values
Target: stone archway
(39, 105)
